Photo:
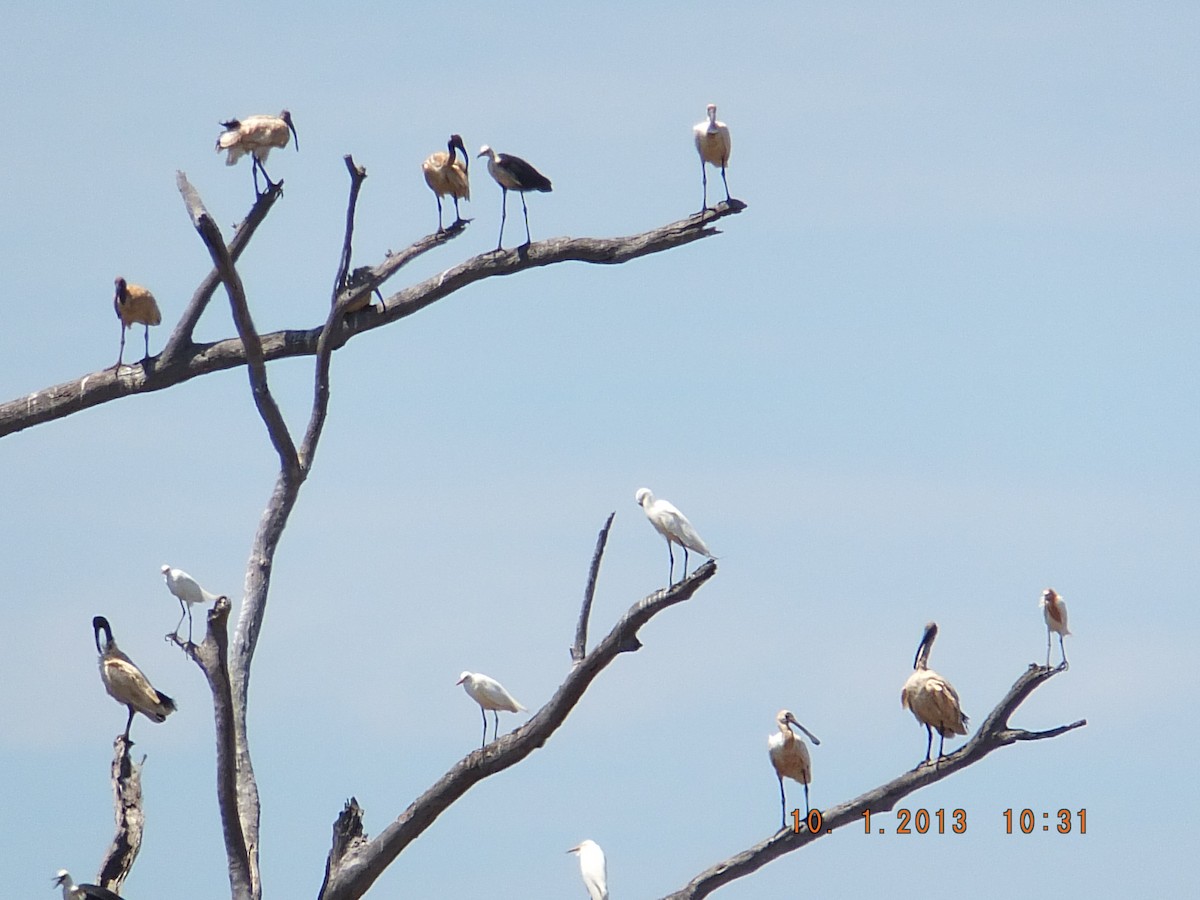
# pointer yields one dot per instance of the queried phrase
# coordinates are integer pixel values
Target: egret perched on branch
(73, 891)
(1054, 610)
(593, 869)
(790, 758)
(133, 303)
(489, 694)
(188, 591)
(513, 174)
(447, 177)
(256, 135)
(714, 144)
(932, 699)
(674, 526)
(125, 682)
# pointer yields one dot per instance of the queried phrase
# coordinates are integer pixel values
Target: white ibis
(593, 869)
(1054, 610)
(256, 135)
(125, 682)
(513, 174)
(489, 694)
(188, 592)
(73, 891)
(790, 758)
(714, 144)
(447, 177)
(134, 303)
(932, 699)
(674, 526)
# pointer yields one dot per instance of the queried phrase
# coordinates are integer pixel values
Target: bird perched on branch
(125, 682)
(714, 145)
(188, 592)
(1054, 611)
(447, 177)
(513, 174)
(73, 891)
(489, 694)
(256, 135)
(593, 869)
(790, 758)
(933, 700)
(134, 303)
(674, 526)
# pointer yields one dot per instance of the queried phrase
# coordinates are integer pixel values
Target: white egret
(188, 591)
(489, 694)
(134, 304)
(790, 758)
(1054, 611)
(593, 868)
(256, 135)
(73, 891)
(125, 682)
(932, 699)
(714, 145)
(447, 177)
(513, 174)
(674, 526)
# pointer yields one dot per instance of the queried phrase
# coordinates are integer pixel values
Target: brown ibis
(933, 700)
(447, 177)
(134, 304)
(125, 682)
(256, 135)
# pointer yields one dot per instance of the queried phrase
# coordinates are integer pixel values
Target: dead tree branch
(992, 734)
(353, 865)
(579, 649)
(127, 809)
(161, 372)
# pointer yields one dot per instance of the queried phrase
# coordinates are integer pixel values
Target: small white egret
(933, 700)
(714, 145)
(593, 869)
(73, 891)
(513, 174)
(1054, 611)
(790, 758)
(674, 526)
(188, 592)
(447, 177)
(489, 694)
(125, 682)
(134, 304)
(256, 135)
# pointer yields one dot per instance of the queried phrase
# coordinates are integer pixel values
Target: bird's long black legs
(1065, 665)
(439, 200)
(782, 804)
(503, 214)
(147, 356)
(528, 239)
(121, 355)
(483, 713)
(128, 723)
(726, 183)
(182, 613)
(496, 725)
(928, 742)
(704, 185)
(684, 578)
(671, 570)
(807, 809)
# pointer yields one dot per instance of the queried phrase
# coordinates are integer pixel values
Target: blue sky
(944, 360)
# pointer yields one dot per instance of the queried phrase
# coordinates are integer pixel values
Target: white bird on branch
(593, 869)
(73, 891)
(714, 145)
(933, 700)
(134, 304)
(513, 174)
(674, 526)
(256, 135)
(1054, 611)
(189, 592)
(447, 177)
(489, 694)
(125, 682)
(790, 758)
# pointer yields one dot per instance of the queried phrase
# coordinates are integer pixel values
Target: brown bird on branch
(932, 699)
(256, 135)
(447, 177)
(134, 303)
(125, 682)
(790, 758)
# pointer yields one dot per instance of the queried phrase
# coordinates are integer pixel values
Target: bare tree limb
(102, 386)
(579, 649)
(352, 874)
(992, 734)
(357, 175)
(127, 809)
(268, 409)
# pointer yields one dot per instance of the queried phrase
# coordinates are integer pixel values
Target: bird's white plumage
(670, 522)
(255, 134)
(73, 891)
(593, 868)
(488, 692)
(713, 141)
(185, 587)
(1054, 611)
(787, 752)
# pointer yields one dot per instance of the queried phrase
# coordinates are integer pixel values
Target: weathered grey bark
(354, 862)
(127, 809)
(579, 648)
(992, 734)
(192, 360)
